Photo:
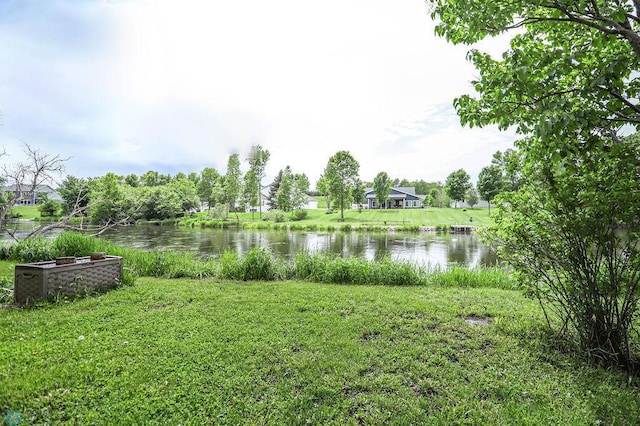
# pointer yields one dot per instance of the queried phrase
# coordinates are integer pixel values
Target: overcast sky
(129, 86)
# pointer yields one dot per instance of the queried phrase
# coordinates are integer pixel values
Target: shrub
(32, 250)
(275, 216)
(571, 234)
(74, 244)
(299, 214)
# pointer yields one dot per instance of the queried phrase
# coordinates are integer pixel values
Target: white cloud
(181, 85)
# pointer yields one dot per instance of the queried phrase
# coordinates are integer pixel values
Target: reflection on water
(418, 248)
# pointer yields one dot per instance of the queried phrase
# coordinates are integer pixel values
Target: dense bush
(299, 214)
(275, 216)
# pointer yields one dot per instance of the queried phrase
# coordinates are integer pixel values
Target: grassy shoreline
(211, 351)
(398, 220)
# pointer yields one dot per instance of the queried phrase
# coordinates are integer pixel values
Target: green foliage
(273, 190)
(299, 214)
(6, 290)
(232, 182)
(570, 72)
(75, 244)
(490, 183)
(50, 208)
(75, 193)
(570, 83)
(457, 185)
(439, 197)
(208, 179)
(111, 202)
(510, 166)
(257, 264)
(571, 233)
(322, 186)
(33, 250)
(277, 216)
(471, 197)
(341, 174)
(382, 187)
(258, 159)
(283, 194)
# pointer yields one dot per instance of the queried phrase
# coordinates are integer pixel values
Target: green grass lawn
(208, 352)
(430, 216)
(27, 212)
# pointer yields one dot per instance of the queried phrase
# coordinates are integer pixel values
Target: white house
(400, 197)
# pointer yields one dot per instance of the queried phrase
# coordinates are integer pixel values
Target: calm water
(420, 248)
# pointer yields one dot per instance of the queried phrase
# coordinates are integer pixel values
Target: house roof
(51, 193)
(396, 192)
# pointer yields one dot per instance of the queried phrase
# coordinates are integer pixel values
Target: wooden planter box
(43, 280)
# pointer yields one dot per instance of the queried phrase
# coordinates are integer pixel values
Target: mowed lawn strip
(429, 216)
(198, 352)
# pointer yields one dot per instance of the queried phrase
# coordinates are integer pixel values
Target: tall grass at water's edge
(258, 264)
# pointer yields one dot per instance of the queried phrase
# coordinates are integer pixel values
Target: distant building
(400, 197)
(310, 204)
(28, 197)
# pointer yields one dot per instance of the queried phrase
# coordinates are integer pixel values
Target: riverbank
(210, 351)
(397, 220)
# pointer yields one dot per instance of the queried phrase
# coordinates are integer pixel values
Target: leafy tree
(186, 192)
(194, 177)
(341, 173)
(110, 203)
(250, 195)
(218, 196)
(273, 190)
(258, 158)
(490, 184)
(457, 185)
(323, 188)
(292, 192)
(208, 178)
(233, 183)
(159, 202)
(569, 76)
(570, 83)
(299, 189)
(150, 178)
(471, 197)
(50, 208)
(132, 180)
(572, 234)
(74, 193)
(283, 194)
(510, 166)
(382, 188)
(359, 192)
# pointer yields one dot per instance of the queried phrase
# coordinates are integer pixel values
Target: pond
(427, 249)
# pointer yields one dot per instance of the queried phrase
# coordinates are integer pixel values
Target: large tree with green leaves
(258, 158)
(75, 194)
(382, 188)
(342, 175)
(205, 187)
(273, 190)
(250, 195)
(457, 185)
(233, 183)
(569, 83)
(490, 184)
(569, 76)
